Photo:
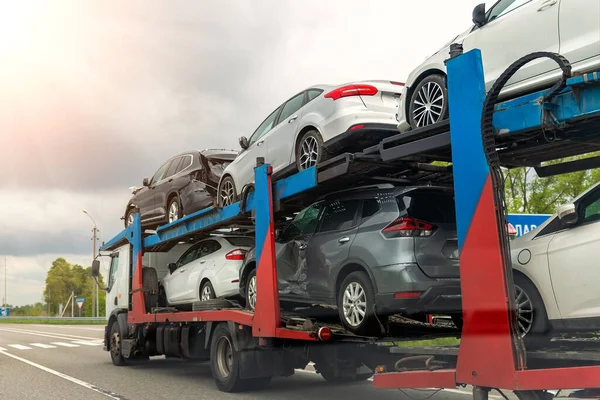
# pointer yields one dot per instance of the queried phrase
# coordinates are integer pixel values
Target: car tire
(174, 210)
(355, 290)
(207, 291)
(539, 332)
(430, 86)
(227, 192)
(150, 285)
(310, 142)
(128, 216)
(250, 290)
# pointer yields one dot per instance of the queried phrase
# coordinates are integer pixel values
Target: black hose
(491, 154)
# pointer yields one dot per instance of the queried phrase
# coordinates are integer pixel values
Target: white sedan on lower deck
(207, 270)
(557, 270)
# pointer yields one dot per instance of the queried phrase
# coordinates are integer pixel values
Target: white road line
(65, 344)
(88, 343)
(19, 347)
(86, 385)
(2, 349)
(48, 334)
(43, 345)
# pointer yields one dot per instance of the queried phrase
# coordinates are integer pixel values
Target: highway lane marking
(79, 382)
(20, 347)
(56, 336)
(2, 349)
(65, 344)
(89, 343)
(43, 345)
(63, 336)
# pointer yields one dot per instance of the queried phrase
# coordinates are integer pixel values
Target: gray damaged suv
(370, 251)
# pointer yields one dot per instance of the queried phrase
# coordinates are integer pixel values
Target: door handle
(182, 270)
(170, 180)
(344, 240)
(295, 117)
(302, 246)
(260, 142)
(547, 4)
(202, 261)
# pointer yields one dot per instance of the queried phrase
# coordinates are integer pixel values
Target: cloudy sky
(94, 96)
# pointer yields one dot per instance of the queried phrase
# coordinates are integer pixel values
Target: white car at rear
(207, 270)
(315, 124)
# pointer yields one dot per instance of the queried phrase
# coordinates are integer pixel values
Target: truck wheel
(115, 345)
(150, 285)
(225, 362)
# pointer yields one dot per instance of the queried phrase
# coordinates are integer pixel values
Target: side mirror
(277, 233)
(145, 182)
(243, 142)
(172, 267)
(567, 214)
(95, 268)
(479, 17)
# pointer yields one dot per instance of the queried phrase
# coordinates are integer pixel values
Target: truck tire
(115, 345)
(225, 362)
(150, 285)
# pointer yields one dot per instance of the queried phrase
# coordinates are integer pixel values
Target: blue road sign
(4, 311)
(524, 223)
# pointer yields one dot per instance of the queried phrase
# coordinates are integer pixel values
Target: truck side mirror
(479, 17)
(172, 267)
(96, 268)
(567, 214)
(243, 142)
(145, 182)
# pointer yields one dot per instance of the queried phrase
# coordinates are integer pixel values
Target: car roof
(361, 191)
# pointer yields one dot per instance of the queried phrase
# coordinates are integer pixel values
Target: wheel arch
(301, 132)
(350, 267)
(523, 275)
(417, 80)
(246, 269)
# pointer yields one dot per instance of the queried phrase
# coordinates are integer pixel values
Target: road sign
(4, 311)
(80, 301)
(524, 223)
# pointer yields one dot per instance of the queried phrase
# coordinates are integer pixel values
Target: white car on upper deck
(509, 30)
(317, 123)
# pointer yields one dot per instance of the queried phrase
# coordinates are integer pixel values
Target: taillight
(352, 90)
(237, 254)
(408, 227)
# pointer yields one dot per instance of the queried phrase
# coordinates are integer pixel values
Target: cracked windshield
(262, 199)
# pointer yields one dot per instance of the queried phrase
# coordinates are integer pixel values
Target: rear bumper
(361, 135)
(445, 299)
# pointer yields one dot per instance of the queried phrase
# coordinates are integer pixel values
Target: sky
(96, 95)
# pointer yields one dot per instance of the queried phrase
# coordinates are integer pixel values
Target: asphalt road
(67, 362)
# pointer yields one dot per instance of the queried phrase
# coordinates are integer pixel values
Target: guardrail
(89, 319)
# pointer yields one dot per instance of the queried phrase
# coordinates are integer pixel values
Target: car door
(246, 161)
(280, 140)
(163, 187)
(146, 201)
(574, 264)
(579, 22)
(202, 263)
(176, 282)
(291, 251)
(329, 247)
(515, 28)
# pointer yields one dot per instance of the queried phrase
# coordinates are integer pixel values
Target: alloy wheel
(428, 104)
(224, 356)
(227, 193)
(309, 152)
(525, 312)
(207, 293)
(173, 211)
(252, 293)
(355, 304)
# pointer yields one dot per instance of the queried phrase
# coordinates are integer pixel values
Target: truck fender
(237, 335)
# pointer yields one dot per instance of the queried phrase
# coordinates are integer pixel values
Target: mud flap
(264, 363)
